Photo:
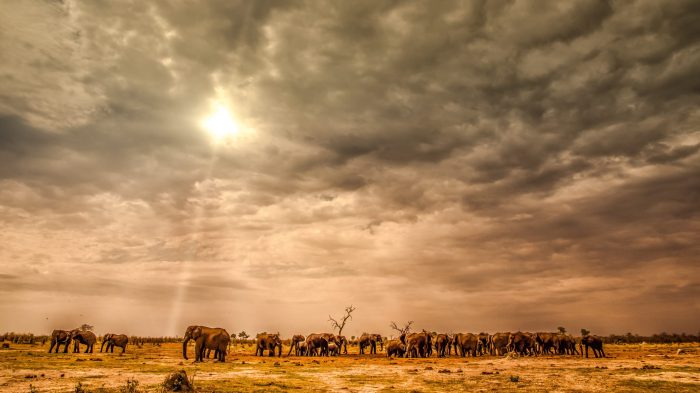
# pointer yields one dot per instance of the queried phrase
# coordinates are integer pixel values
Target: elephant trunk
(184, 347)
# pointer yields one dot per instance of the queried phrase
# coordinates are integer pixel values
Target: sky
(260, 165)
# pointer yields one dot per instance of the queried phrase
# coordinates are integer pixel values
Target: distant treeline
(628, 338)
(661, 338)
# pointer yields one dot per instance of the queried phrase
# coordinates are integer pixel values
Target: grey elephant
(87, 338)
(114, 340)
(395, 348)
(59, 337)
(297, 339)
(466, 343)
(265, 341)
(316, 344)
(595, 342)
(216, 339)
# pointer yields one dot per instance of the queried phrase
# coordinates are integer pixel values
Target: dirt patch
(637, 368)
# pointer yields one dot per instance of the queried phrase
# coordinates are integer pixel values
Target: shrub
(130, 387)
(178, 382)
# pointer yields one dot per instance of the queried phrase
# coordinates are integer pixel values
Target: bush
(178, 382)
(131, 386)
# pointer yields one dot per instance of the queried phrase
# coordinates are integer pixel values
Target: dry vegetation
(628, 368)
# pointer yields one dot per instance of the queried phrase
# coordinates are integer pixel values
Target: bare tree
(340, 325)
(404, 330)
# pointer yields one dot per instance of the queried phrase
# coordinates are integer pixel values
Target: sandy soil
(629, 368)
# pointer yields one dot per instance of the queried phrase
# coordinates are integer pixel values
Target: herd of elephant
(407, 345)
(421, 344)
(469, 344)
(87, 338)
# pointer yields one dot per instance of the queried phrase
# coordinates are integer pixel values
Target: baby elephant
(395, 348)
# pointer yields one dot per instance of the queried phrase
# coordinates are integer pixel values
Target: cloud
(482, 166)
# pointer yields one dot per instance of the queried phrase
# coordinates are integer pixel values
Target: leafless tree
(340, 325)
(404, 330)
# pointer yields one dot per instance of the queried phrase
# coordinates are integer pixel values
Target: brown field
(628, 368)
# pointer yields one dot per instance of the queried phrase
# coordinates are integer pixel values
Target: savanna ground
(628, 368)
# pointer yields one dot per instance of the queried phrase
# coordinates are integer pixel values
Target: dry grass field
(628, 368)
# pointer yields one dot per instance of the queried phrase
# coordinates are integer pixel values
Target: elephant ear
(196, 332)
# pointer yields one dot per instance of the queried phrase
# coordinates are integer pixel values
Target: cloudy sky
(260, 165)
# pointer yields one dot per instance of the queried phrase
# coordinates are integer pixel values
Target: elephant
(205, 338)
(370, 340)
(105, 340)
(466, 343)
(331, 339)
(380, 340)
(395, 348)
(343, 343)
(547, 342)
(303, 348)
(522, 343)
(416, 343)
(333, 349)
(595, 342)
(483, 343)
(79, 337)
(114, 340)
(566, 345)
(316, 344)
(499, 343)
(265, 341)
(296, 340)
(59, 337)
(442, 342)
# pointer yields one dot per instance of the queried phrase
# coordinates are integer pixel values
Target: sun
(220, 124)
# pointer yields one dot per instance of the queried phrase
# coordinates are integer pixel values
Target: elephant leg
(197, 351)
(203, 351)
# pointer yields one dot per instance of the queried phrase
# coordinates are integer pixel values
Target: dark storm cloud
(495, 153)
